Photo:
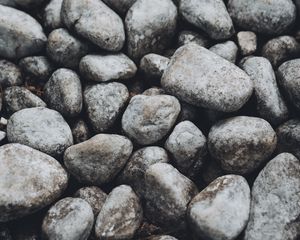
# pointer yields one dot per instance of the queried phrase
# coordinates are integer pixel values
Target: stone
(199, 77)
(241, 144)
(120, 6)
(154, 65)
(270, 103)
(147, 119)
(20, 34)
(40, 128)
(103, 68)
(247, 42)
(69, 218)
(187, 36)
(99, 159)
(211, 16)
(162, 237)
(275, 200)
(10, 74)
(167, 195)
(63, 92)
(154, 91)
(227, 50)
(51, 17)
(120, 216)
(272, 17)
(80, 131)
(30, 180)
(104, 103)
(221, 210)
(17, 98)
(95, 21)
(150, 27)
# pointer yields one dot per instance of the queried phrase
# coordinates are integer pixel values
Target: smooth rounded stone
(30, 180)
(154, 65)
(167, 195)
(221, 210)
(103, 68)
(227, 50)
(95, 21)
(104, 103)
(241, 144)
(247, 42)
(69, 219)
(120, 6)
(10, 74)
(63, 92)
(37, 67)
(270, 103)
(162, 237)
(65, 49)
(148, 119)
(20, 34)
(18, 98)
(99, 159)
(280, 49)
(200, 77)
(188, 148)
(150, 27)
(187, 36)
(275, 201)
(120, 216)
(52, 18)
(94, 196)
(154, 91)
(80, 131)
(266, 17)
(138, 163)
(40, 128)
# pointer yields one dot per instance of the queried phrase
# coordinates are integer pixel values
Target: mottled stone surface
(80, 131)
(227, 50)
(52, 19)
(154, 65)
(10, 74)
(247, 42)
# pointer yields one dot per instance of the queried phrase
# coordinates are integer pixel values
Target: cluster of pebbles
(150, 119)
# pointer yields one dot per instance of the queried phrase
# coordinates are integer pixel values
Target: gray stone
(150, 27)
(168, 193)
(51, 17)
(99, 159)
(148, 119)
(10, 74)
(275, 208)
(65, 49)
(187, 145)
(270, 103)
(63, 92)
(104, 103)
(18, 98)
(68, 219)
(227, 50)
(241, 144)
(154, 65)
(120, 216)
(162, 237)
(30, 180)
(80, 131)
(247, 42)
(40, 128)
(95, 21)
(221, 210)
(20, 34)
(210, 16)
(202, 78)
(187, 36)
(120, 6)
(102, 68)
(153, 91)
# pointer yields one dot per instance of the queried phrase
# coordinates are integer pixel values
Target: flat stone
(247, 42)
(10, 74)
(227, 50)
(51, 17)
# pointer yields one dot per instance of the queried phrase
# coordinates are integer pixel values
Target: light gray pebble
(275, 201)
(241, 144)
(154, 91)
(247, 42)
(30, 181)
(80, 131)
(227, 50)
(154, 65)
(40, 128)
(51, 17)
(104, 103)
(187, 36)
(148, 119)
(120, 6)
(120, 216)
(10, 74)
(69, 219)
(202, 78)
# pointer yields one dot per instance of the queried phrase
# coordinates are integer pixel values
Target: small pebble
(80, 131)
(154, 65)
(247, 42)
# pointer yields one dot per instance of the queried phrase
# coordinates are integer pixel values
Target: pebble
(120, 6)
(187, 36)
(95, 21)
(51, 17)
(20, 34)
(30, 180)
(104, 103)
(221, 210)
(69, 219)
(10, 74)
(247, 42)
(40, 128)
(80, 131)
(99, 159)
(275, 201)
(202, 78)
(154, 65)
(154, 91)
(241, 144)
(63, 92)
(150, 27)
(120, 216)
(148, 119)
(227, 50)
(103, 68)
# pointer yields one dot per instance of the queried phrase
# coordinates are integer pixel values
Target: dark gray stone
(227, 50)
(10, 74)
(80, 131)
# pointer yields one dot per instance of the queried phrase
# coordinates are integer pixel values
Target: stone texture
(52, 19)
(80, 131)
(154, 65)
(247, 42)
(10, 74)
(227, 50)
